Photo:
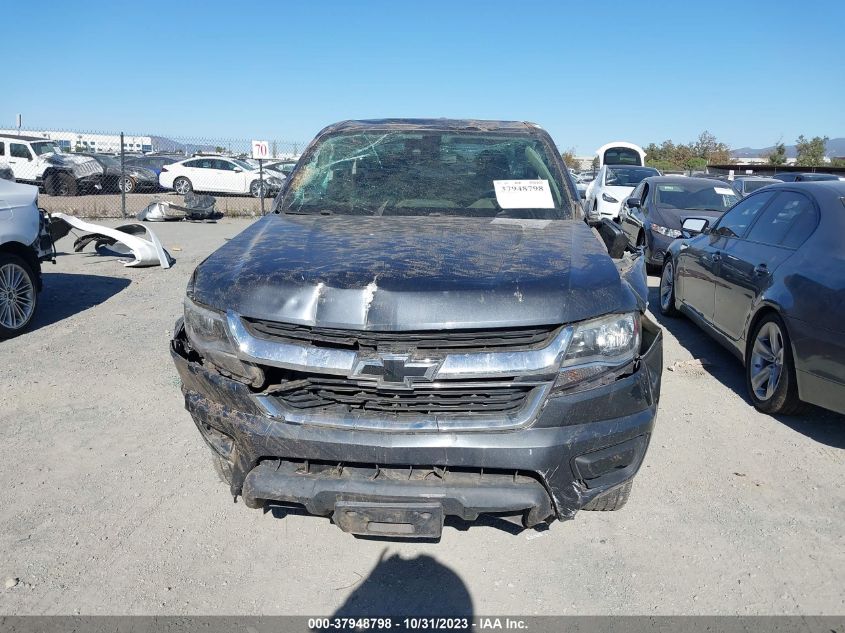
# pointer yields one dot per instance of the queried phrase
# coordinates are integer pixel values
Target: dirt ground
(109, 504)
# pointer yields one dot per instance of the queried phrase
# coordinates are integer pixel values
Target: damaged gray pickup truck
(424, 327)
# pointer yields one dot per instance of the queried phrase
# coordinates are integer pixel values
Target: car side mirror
(694, 226)
(238, 169)
(633, 203)
(613, 237)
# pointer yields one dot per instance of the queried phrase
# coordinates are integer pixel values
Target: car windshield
(695, 195)
(628, 176)
(753, 185)
(471, 174)
(109, 161)
(45, 147)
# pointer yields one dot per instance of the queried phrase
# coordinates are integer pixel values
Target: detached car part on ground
(424, 327)
(24, 243)
(135, 242)
(767, 281)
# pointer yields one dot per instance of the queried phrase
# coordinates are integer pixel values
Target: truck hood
(80, 165)
(413, 273)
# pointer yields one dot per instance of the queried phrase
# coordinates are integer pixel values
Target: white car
(217, 174)
(24, 244)
(613, 184)
(39, 161)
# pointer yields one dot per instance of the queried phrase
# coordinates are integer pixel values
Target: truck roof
(21, 137)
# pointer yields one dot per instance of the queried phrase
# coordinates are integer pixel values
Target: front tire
(18, 295)
(770, 368)
(667, 290)
(612, 500)
(182, 186)
(60, 185)
(126, 184)
(257, 190)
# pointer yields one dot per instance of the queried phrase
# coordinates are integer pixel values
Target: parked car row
(40, 162)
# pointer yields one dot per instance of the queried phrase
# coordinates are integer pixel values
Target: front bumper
(580, 446)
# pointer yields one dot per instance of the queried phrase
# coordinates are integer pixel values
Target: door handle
(761, 269)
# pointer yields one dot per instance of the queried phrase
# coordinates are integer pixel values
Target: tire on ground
(9, 258)
(784, 400)
(612, 500)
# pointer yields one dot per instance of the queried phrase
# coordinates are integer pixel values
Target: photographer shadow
(417, 587)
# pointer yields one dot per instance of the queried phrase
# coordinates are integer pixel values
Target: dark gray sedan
(767, 280)
(651, 217)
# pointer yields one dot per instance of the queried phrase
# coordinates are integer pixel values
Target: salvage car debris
(425, 326)
(197, 208)
(127, 240)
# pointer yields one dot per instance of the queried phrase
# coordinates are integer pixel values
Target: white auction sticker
(523, 194)
(723, 191)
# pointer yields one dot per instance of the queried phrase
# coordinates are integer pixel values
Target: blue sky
(589, 72)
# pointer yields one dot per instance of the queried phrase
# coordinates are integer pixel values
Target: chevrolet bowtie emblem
(397, 370)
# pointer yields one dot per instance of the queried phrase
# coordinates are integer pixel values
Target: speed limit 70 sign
(260, 149)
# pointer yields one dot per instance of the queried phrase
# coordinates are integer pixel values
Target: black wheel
(770, 368)
(126, 184)
(257, 189)
(612, 500)
(667, 289)
(60, 185)
(18, 295)
(222, 468)
(182, 186)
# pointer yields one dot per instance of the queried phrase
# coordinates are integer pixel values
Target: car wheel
(126, 184)
(18, 295)
(257, 189)
(60, 185)
(667, 290)
(770, 369)
(612, 500)
(182, 186)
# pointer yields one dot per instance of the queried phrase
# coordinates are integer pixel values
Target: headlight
(608, 198)
(208, 335)
(673, 233)
(600, 346)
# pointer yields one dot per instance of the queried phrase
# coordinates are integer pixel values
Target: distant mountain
(164, 144)
(835, 147)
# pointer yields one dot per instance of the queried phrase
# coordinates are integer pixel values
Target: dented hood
(412, 273)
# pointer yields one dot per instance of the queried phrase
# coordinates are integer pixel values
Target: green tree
(810, 151)
(778, 155)
(837, 162)
(570, 160)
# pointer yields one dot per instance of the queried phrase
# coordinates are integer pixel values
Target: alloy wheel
(667, 285)
(766, 364)
(17, 297)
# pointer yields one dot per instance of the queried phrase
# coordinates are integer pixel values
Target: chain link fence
(102, 174)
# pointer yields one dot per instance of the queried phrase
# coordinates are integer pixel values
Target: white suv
(217, 174)
(40, 161)
(24, 243)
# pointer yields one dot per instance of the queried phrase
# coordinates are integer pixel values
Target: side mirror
(238, 169)
(613, 237)
(694, 226)
(633, 203)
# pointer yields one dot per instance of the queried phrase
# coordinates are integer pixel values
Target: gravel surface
(109, 504)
